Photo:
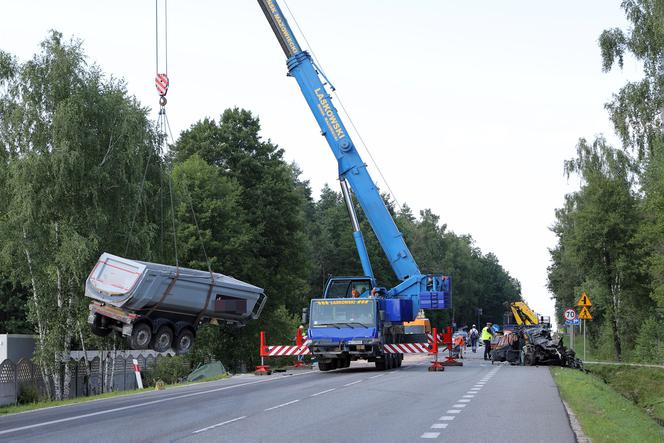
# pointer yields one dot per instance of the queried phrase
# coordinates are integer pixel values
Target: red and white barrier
(137, 371)
(285, 351)
(407, 348)
(301, 348)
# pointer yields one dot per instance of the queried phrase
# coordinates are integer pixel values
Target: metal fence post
(15, 386)
(76, 380)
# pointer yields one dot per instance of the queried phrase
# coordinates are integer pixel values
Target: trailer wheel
(163, 339)
(184, 341)
(325, 366)
(380, 364)
(141, 335)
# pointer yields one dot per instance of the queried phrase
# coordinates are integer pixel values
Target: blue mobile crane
(355, 317)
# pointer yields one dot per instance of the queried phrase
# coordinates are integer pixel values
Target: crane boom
(351, 166)
(428, 289)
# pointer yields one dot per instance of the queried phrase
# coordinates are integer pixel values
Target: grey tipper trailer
(159, 306)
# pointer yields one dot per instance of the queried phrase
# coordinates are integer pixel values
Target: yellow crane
(523, 315)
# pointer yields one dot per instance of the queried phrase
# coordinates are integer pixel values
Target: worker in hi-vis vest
(487, 334)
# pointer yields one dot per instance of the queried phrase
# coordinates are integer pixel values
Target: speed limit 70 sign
(569, 314)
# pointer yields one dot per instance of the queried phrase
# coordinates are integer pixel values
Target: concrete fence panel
(8, 391)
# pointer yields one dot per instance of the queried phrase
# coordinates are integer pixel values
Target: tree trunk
(86, 378)
(615, 298)
(85, 352)
(69, 328)
(45, 373)
(616, 339)
(57, 378)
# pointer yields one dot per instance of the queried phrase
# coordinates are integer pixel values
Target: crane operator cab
(351, 287)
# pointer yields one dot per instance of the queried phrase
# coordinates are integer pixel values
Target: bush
(27, 393)
(650, 342)
(170, 369)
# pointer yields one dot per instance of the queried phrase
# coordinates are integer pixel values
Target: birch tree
(76, 149)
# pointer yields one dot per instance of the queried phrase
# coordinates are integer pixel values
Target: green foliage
(250, 207)
(642, 385)
(13, 317)
(650, 342)
(27, 393)
(210, 202)
(611, 232)
(75, 147)
(597, 233)
(170, 369)
(270, 198)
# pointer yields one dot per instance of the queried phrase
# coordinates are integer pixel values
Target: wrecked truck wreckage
(534, 346)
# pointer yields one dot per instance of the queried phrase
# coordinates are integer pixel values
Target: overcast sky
(469, 109)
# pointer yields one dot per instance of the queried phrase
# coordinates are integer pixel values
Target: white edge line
(219, 424)
(322, 392)
(282, 405)
(139, 405)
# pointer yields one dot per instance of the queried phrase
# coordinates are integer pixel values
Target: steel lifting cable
(341, 105)
(162, 83)
(138, 202)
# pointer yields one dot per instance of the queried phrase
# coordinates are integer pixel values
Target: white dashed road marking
(353, 383)
(219, 424)
(282, 405)
(461, 403)
(322, 392)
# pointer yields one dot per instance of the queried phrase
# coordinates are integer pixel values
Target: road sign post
(585, 303)
(571, 320)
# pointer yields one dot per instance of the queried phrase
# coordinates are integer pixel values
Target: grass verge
(604, 414)
(13, 409)
(643, 386)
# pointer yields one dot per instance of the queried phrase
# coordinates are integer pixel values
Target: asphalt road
(474, 403)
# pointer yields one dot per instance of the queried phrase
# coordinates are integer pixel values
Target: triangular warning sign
(584, 300)
(585, 314)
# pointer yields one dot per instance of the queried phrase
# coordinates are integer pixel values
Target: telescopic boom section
(351, 167)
